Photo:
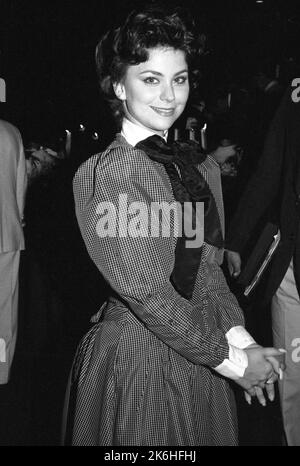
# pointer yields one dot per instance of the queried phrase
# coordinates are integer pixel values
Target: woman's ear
(120, 92)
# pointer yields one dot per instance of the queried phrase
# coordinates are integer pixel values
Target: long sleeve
(139, 268)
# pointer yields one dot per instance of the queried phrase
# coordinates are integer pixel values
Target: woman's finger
(277, 364)
(270, 391)
(248, 398)
(260, 396)
(261, 384)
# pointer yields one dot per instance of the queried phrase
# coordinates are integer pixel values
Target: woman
(151, 370)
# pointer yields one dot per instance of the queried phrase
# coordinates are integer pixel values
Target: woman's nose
(167, 93)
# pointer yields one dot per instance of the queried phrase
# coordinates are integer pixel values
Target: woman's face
(156, 91)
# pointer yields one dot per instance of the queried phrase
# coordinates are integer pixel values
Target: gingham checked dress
(143, 374)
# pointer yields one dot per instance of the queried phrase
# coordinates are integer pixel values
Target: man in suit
(13, 181)
(275, 188)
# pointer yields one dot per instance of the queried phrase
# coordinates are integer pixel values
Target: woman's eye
(151, 80)
(181, 79)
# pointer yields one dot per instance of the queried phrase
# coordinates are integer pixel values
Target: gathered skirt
(127, 387)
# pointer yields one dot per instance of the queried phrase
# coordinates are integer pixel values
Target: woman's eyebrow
(158, 73)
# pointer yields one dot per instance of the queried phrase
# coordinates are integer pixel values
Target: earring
(119, 91)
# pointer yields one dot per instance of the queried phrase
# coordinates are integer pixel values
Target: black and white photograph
(149, 226)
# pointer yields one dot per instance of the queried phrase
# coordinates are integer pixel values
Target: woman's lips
(167, 112)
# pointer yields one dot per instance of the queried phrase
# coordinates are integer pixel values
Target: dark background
(47, 60)
(47, 51)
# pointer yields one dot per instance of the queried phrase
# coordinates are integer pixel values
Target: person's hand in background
(224, 151)
(234, 262)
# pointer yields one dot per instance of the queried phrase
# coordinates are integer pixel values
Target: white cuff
(235, 366)
(239, 337)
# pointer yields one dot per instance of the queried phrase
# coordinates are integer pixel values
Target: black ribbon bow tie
(188, 186)
(186, 155)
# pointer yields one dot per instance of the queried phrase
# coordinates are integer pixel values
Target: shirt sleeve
(237, 362)
(239, 337)
(136, 264)
(235, 365)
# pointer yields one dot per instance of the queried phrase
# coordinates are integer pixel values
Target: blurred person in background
(13, 181)
(272, 195)
(60, 289)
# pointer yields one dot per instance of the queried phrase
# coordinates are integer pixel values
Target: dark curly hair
(129, 45)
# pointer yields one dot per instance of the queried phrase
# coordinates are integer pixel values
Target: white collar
(134, 133)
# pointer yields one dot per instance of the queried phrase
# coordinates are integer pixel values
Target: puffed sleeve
(139, 267)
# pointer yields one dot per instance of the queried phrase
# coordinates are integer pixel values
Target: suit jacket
(274, 187)
(13, 182)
